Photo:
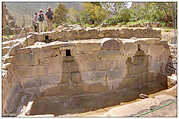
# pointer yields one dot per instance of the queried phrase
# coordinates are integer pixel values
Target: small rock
(133, 38)
(143, 96)
(5, 66)
(172, 80)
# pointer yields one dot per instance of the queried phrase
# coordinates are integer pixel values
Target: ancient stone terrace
(79, 33)
(64, 66)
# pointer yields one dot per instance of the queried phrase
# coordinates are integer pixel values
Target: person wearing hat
(41, 20)
(49, 17)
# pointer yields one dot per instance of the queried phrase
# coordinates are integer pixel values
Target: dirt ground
(100, 112)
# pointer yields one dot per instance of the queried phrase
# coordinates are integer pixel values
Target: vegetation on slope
(97, 13)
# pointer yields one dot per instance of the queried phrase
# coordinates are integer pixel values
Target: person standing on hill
(49, 17)
(35, 22)
(41, 19)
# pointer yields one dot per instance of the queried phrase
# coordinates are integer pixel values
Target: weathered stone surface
(5, 50)
(140, 108)
(95, 65)
(111, 45)
(172, 80)
(94, 33)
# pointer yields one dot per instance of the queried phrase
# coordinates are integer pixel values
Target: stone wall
(93, 68)
(82, 34)
(94, 33)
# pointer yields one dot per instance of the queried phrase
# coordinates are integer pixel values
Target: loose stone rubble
(81, 68)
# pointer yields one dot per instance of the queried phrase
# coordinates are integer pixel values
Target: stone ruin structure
(76, 69)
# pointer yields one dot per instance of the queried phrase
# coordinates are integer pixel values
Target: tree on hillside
(73, 16)
(170, 10)
(112, 7)
(60, 14)
(124, 15)
(96, 3)
(154, 11)
(95, 13)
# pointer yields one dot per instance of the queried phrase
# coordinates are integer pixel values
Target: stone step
(172, 80)
(7, 59)
(5, 66)
(9, 43)
(4, 73)
(5, 39)
(5, 50)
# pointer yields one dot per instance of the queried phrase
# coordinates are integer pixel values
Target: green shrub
(168, 30)
(123, 23)
(163, 24)
(55, 25)
(124, 15)
(60, 14)
(111, 21)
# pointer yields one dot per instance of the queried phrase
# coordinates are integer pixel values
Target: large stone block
(32, 83)
(50, 79)
(70, 66)
(116, 74)
(93, 76)
(26, 59)
(66, 77)
(111, 45)
(95, 87)
(76, 77)
(54, 66)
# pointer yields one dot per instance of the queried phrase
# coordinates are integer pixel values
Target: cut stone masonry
(88, 62)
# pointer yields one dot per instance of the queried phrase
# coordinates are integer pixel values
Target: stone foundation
(84, 74)
(84, 102)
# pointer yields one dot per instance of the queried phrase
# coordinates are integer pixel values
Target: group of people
(40, 18)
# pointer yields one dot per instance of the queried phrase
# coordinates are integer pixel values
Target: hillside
(27, 9)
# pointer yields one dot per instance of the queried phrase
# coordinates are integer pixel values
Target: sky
(128, 4)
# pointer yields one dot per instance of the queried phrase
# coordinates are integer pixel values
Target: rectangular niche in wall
(47, 39)
(68, 52)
